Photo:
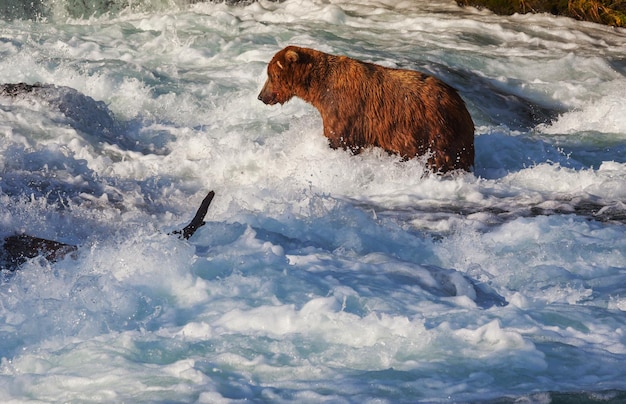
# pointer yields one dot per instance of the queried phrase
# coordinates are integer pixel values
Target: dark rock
(17, 249)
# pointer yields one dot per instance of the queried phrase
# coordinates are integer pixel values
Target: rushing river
(319, 276)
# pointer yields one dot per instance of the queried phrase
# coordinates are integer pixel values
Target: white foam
(605, 115)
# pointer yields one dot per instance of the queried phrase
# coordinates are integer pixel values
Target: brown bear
(362, 104)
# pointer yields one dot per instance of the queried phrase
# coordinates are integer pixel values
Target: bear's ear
(291, 56)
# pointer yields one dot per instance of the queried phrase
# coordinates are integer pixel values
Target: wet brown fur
(362, 104)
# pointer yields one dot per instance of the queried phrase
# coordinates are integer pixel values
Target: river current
(319, 276)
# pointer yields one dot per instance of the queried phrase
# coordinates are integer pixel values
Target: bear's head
(287, 75)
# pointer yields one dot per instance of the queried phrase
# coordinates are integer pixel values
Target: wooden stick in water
(19, 248)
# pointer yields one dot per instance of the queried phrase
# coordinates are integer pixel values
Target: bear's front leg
(339, 137)
(335, 141)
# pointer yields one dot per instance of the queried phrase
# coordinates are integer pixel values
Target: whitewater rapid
(319, 276)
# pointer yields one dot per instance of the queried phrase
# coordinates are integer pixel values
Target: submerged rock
(92, 118)
(19, 248)
(84, 113)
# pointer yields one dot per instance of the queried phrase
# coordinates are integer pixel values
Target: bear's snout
(268, 95)
(268, 98)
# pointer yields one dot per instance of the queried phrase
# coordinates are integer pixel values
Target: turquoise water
(319, 276)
